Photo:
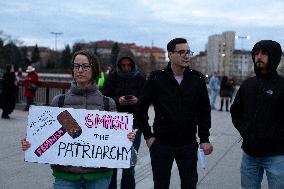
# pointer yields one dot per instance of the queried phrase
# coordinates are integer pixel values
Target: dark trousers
(5, 113)
(162, 158)
(127, 180)
(227, 103)
(30, 101)
(128, 175)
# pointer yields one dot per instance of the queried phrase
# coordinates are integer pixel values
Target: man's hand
(150, 141)
(207, 148)
(133, 101)
(122, 101)
(25, 144)
(131, 136)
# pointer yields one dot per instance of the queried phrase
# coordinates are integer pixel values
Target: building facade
(200, 63)
(242, 66)
(220, 52)
(149, 58)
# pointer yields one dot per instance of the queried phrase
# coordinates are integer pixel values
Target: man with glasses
(181, 103)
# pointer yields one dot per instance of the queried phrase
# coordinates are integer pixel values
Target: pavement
(221, 172)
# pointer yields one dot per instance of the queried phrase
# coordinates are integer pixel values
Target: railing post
(63, 91)
(47, 96)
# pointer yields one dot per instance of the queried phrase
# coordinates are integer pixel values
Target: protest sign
(79, 137)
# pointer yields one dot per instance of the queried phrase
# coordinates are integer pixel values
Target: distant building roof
(107, 44)
(242, 52)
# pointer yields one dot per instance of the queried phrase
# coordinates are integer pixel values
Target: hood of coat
(274, 56)
(126, 54)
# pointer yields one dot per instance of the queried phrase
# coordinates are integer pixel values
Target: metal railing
(45, 92)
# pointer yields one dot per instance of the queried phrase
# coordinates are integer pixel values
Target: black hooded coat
(8, 96)
(121, 83)
(258, 109)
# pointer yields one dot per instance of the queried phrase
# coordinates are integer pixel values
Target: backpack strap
(61, 101)
(106, 103)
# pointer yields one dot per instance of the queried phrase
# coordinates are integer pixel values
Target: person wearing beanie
(257, 113)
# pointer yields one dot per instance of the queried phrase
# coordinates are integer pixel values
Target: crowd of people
(182, 108)
(11, 86)
(226, 88)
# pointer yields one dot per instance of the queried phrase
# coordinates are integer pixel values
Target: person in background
(214, 85)
(226, 91)
(30, 86)
(232, 83)
(83, 94)
(181, 103)
(101, 80)
(124, 86)
(257, 113)
(109, 70)
(19, 76)
(8, 98)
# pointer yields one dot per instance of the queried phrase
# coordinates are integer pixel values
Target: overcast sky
(141, 21)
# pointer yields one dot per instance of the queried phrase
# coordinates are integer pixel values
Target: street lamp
(242, 39)
(224, 63)
(55, 35)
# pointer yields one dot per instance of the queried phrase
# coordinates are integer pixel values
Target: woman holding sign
(83, 94)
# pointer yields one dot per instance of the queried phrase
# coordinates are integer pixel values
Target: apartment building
(242, 66)
(200, 63)
(220, 52)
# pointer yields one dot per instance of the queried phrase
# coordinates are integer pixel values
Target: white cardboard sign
(79, 137)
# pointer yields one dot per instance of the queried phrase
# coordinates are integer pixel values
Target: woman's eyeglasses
(85, 67)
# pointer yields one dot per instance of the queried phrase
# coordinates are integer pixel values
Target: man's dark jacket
(120, 83)
(8, 99)
(258, 109)
(179, 109)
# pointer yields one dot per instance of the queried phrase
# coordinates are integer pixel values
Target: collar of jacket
(266, 76)
(170, 71)
(82, 91)
(128, 75)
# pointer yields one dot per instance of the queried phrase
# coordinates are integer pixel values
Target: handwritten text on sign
(79, 137)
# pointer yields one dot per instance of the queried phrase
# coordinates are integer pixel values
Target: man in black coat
(8, 96)
(181, 103)
(258, 114)
(124, 86)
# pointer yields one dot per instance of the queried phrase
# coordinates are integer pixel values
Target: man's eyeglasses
(183, 53)
(85, 67)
